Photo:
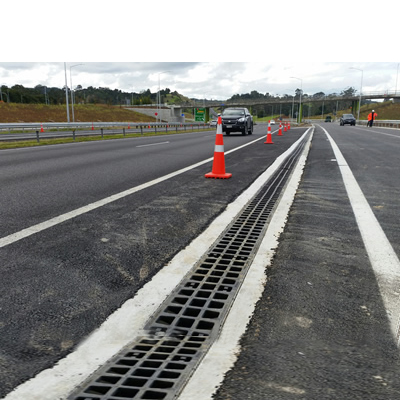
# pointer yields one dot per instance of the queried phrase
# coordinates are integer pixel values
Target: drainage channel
(179, 334)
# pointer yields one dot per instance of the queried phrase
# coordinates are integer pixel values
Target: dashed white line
(152, 144)
(14, 237)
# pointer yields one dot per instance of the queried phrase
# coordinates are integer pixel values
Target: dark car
(237, 120)
(328, 118)
(347, 119)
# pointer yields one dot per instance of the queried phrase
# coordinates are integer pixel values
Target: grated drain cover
(158, 365)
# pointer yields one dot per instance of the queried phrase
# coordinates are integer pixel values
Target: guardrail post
(141, 129)
(101, 129)
(123, 130)
(73, 134)
(37, 136)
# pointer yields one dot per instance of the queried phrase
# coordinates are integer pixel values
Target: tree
(298, 92)
(319, 95)
(348, 92)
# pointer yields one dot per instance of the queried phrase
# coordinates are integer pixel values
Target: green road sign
(200, 114)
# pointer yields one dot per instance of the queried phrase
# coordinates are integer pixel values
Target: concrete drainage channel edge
(179, 334)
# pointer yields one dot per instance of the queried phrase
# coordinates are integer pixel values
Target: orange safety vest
(370, 116)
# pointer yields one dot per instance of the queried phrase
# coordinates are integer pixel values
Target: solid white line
(152, 144)
(102, 344)
(383, 258)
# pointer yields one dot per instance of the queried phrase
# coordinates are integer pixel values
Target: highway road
(86, 226)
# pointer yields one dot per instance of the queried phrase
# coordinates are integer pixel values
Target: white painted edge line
(14, 237)
(383, 258)
(127, 323)
(224, 351)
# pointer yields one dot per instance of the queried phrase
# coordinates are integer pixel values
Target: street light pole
(159, 95)
(66, 90)
(359, 106)
(72, 90)
(301, 91)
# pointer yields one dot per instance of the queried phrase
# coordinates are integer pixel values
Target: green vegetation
(55, 96)
(15, 112)
(386, 110)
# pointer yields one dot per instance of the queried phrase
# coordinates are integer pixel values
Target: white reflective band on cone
(219, 148)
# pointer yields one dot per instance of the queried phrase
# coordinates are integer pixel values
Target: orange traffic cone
(280, 130)
(92, 127)
(289, 126)
(41, 128)
(129, 126)
(269, 135)
(218, 169)
(284, 129)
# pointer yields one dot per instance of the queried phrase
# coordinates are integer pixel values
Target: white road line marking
(14, 237)
(106, 341)
(224, 351)
(387, 134)
(152, 144)
(383, 258)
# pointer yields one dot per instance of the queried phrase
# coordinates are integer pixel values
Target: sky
(209, 49)
(207, 80)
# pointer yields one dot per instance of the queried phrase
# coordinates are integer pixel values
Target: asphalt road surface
(60, 284)
(320, 329)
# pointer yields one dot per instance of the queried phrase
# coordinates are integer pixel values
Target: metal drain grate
(184, 327)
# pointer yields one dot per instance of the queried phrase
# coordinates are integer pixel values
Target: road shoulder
(297, 344)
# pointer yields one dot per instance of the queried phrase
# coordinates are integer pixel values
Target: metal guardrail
(86, 125)
(383, 124)
(50, 130)
(389, 123)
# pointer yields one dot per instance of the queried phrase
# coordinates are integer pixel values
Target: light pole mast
(359, 106)
(66, 90)
(159, 95)
(301, 91)
(72, 90)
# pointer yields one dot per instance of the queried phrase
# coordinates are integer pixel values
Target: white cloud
(218, 80)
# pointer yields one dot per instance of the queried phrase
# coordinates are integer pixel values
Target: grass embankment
(385, 110)
(15, 112)
(41, 113)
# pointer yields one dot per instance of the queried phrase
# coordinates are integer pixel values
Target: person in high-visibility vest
(371, 117)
